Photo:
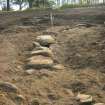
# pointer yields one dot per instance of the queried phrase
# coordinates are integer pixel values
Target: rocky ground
(68, 70)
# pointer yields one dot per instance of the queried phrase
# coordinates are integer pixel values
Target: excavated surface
(79, 49)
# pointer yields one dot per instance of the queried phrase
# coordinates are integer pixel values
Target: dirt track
(79, 49)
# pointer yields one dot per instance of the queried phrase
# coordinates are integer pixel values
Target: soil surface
(79, 48)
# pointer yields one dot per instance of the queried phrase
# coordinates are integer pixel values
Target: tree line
(47, 3)
(30, 3)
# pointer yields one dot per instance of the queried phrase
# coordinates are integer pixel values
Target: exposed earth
(79, 52)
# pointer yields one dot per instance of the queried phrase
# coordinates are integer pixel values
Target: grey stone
(45, 40)
(36, 44)
(8, 87)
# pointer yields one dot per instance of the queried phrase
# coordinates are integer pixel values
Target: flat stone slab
(44, 52)
(40, 62)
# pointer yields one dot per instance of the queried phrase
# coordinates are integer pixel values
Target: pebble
(30, 71)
